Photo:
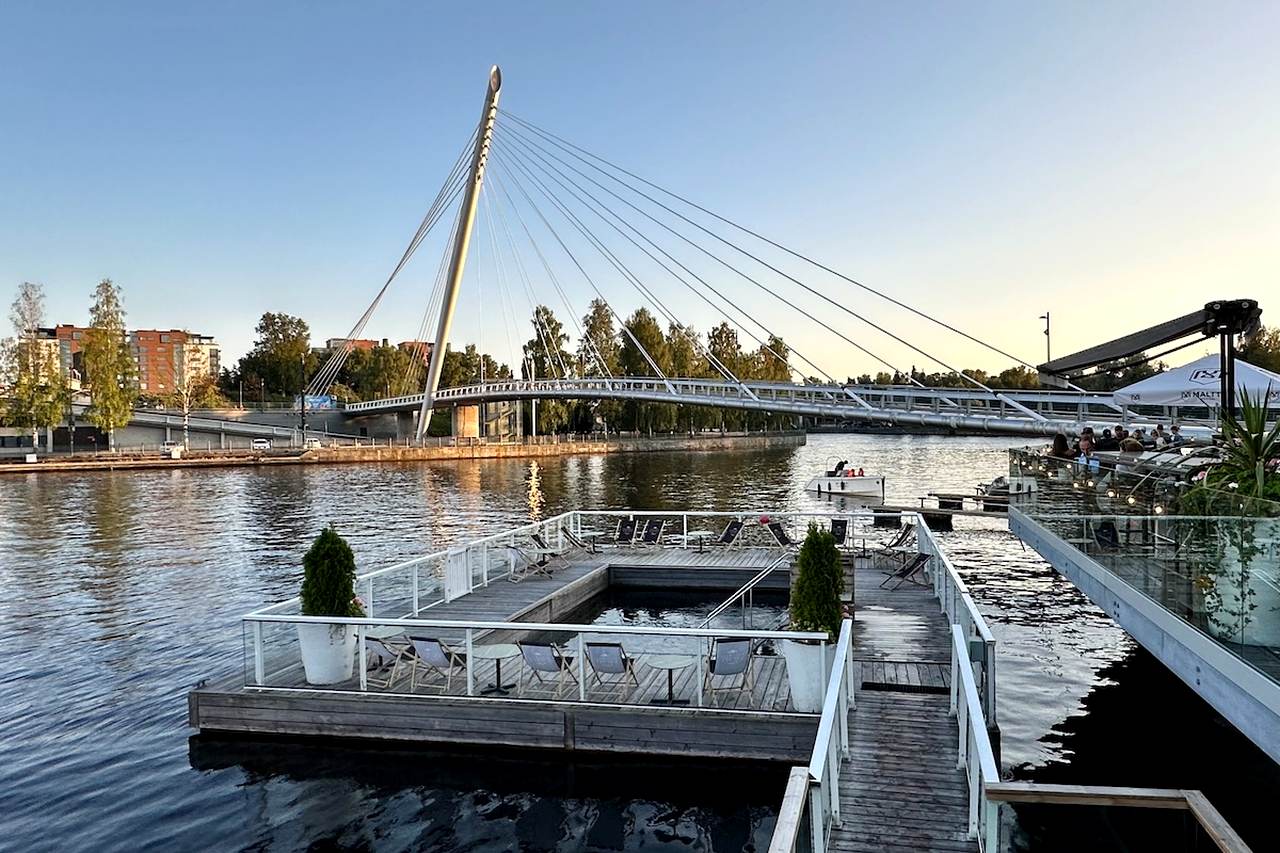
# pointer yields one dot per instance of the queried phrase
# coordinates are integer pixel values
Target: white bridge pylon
(951, 408)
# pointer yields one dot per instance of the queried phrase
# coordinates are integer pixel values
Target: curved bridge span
(1010, 412)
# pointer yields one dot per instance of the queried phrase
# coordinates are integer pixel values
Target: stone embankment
(446, 449)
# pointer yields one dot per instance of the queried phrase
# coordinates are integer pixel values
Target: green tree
(597, 355)
(722, 343)
(109, 367)
(545, 357)
(644, 335)
(38, 392)
(281, 355)
(1263, 349)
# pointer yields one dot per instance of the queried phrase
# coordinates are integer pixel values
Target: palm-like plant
(1251, 450)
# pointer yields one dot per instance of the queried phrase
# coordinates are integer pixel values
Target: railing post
(955, 682)
(416, 608)
(701, 664)
(989, 682)
(471, 679)
(484, 564)
(360, 657)
(975, 791)
(582, 668)
(368, 597)
(258, 675)
(817, 824)
(684, 520)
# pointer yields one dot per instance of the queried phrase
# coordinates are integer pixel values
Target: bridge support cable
(500, 155)
(771, 292)
(452, 186)
(539, 331)
(958, 373)
(543, 333)
(596, 206)
(587, 157)
(515, 181)
(506, 305)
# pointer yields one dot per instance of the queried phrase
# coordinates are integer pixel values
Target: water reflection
(126, 588)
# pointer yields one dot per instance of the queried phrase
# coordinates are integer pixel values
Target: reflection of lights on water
(1132, 500)
(1159, 510)
(535, 496)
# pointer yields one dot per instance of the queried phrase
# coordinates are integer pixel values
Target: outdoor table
(592, 537)
(670, 663)
(498, 652)
(700, 536)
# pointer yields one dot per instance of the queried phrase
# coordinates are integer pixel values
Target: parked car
(312, 444)
(261, 444)
(169, 446)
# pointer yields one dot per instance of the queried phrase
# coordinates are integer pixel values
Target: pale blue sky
(1116, 163)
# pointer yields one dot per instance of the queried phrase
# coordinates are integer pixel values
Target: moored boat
(843, 479)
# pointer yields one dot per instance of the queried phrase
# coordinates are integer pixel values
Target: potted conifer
(815, 606)
(328, 589)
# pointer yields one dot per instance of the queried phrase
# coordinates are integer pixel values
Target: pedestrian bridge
(1006, 412)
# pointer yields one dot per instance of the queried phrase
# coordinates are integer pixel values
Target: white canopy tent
(1200, 384)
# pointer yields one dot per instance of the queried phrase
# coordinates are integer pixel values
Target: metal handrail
(743, 590)
(831, 742)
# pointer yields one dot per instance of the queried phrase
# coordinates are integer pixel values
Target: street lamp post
(1047, 350)
(302, 399)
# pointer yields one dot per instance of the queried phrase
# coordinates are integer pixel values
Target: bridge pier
(466, 421)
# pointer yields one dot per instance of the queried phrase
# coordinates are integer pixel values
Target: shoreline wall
(466, 451)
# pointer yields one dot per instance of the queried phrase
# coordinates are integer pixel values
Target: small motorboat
(843, 479)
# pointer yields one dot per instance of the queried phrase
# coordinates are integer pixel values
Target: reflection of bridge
(1016, 412)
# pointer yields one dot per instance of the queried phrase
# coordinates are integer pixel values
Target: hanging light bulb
(1132, 500)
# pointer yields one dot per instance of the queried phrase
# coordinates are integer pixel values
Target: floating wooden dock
(899, 786)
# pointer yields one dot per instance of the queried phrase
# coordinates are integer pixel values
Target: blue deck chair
(626, 531)
(780, 534)
(436, 658)
(840, 530)
(652, 533)
(731, 531)
(908, 573)
(611, 666)
(548, 665)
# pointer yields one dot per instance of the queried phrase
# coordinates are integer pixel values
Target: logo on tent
(1206, 375)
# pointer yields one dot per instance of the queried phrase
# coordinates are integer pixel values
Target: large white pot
(328, 652)
(806, 674)
(1244, 606)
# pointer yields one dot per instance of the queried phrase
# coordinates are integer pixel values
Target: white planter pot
(328, 652)
(1244, 606)
(806, 674)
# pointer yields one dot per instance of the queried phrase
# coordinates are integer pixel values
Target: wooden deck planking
(899, 786)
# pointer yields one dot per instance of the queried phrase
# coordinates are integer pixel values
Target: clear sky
(1118, 164)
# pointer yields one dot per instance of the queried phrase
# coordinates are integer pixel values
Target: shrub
(328, 585)
(815, 595)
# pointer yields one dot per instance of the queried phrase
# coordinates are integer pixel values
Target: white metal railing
(819, 797)
(960, 609)
(976, 757)
(276, 660)
(409, 587)
(746, 593)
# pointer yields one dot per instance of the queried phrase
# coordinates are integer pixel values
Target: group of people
(1120, 440)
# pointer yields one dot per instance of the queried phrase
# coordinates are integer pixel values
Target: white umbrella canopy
(1200, 384)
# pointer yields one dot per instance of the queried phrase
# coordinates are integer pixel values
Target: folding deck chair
(730, 657)
(382, 662)
(548, 664)
(436, 658)
(908, 572)
(730, 534)
(611, 659)
(552, 554)
(840, 530)
(626, 531)
(533, 563)
(652, 533)
(780, 534)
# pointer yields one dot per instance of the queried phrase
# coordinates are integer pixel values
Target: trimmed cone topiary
(328, 585)
(815, 595)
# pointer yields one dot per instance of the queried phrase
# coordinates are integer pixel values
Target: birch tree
(194, 387)
(108, 363)
(38, 392)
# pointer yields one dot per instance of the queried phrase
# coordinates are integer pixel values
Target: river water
(124, 589)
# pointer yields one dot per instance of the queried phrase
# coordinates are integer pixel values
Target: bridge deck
(899, 787)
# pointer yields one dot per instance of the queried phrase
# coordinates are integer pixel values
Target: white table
(670, 663)
(498, 652)
(699, 536)
(592, 537)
